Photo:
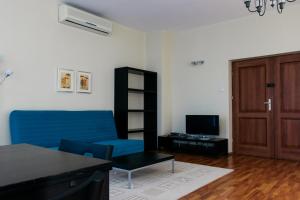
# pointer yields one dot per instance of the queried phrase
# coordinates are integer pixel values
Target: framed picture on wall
(84, 82)
(65, 80)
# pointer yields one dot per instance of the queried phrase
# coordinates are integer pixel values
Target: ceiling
(152, 15)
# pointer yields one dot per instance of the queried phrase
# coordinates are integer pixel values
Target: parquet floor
(253, 178)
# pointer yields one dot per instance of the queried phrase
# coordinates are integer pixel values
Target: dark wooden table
(27, 172)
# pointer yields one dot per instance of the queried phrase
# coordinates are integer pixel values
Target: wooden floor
(253, 178)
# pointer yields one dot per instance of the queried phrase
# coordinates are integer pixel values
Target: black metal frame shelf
(137, 130)
(142, 111)
(133, 90)
(149, 111)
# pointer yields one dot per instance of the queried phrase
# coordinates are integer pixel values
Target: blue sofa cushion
(83, 148)
(124, 147)
(47, 128)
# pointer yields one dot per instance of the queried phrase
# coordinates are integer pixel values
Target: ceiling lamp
(261, 5)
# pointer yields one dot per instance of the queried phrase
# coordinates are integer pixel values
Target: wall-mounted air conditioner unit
(84, 20)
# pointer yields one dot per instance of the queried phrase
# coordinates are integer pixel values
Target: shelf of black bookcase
(132, 90)
(138, 71)
(140, 111)
(136, 130)
(141, 91)
(139, 130)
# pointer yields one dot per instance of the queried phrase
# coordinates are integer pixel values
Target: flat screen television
(206, 125)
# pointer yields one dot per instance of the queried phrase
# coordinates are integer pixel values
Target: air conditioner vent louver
(84, 20)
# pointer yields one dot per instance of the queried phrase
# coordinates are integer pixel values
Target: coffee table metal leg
(130, 185)
(129, 172)
(173, 167)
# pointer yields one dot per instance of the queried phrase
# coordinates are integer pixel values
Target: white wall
(33, 44)
(158, 58)
(207, 89)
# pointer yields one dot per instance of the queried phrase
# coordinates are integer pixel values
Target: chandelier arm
(265, 8)
(278, 9)
(251, 10)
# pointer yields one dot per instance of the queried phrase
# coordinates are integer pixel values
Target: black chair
(93, 187)
(82, 148)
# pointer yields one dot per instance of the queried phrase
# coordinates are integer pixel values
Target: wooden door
(287, 109)
(252, 119)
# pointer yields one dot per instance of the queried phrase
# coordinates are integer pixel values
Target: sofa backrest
(47, 128)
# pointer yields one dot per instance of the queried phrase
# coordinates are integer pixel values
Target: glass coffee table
(134, 162)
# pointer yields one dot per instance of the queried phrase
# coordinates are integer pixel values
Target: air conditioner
(84, 20)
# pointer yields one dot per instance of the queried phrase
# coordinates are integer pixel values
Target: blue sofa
(47, 128)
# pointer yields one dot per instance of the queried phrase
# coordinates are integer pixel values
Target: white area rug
(158, 183)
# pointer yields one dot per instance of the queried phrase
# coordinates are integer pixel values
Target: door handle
(269, 103)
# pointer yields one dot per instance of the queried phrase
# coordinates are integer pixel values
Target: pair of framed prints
(66, 81)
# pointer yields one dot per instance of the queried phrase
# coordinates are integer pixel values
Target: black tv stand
(201, 137)
(193, 144)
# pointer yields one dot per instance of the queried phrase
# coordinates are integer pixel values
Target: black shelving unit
(149, 112)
